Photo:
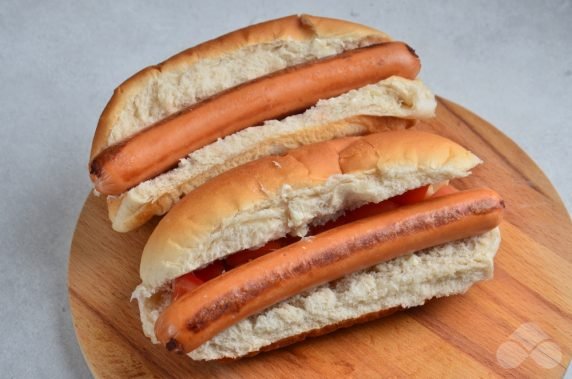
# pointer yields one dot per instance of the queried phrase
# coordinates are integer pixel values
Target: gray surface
(511, 63)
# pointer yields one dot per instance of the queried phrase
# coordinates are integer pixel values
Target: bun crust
(152, 93)
(278, 195)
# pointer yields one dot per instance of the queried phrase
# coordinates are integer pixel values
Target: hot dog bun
(266, 199)
(404, 282)
(213, 66)
(200, 314)
(158, 148)
(279, 195)
(158, 92)
(391, 104)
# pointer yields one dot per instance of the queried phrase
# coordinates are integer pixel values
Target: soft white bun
(391, 104)
(404, 282)
(197, 73)
(269, 198)
(206, 69)
(278, 195)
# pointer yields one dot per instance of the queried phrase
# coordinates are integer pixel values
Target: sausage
(159, 147)
(199, 315)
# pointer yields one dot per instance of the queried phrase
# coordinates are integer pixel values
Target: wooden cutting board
(519, 324)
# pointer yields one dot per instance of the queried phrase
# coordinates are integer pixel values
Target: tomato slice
(213, 270)
(364, 211)
(412, 196)
(184, 284)
(368, 210)
(444, 191)
(192, 280)
(245, 256)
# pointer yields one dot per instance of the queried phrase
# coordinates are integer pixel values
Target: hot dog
(198, 316)
(172, 127)
(287, 289)
(161, 146)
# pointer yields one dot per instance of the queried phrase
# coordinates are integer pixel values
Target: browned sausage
(161, 146)
(214, 306)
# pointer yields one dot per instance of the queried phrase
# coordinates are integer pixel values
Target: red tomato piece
(444, 191)
(192, 280)
(211, 271)
(364, 211)
(244, 256)
(412, 196)
(184, 284)
(369, 210)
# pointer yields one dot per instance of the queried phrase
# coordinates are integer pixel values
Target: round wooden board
(460, 336)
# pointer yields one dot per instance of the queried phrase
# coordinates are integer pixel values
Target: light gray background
(509, 62)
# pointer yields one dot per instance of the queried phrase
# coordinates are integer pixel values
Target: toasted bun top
(159, 90)
(265, 199)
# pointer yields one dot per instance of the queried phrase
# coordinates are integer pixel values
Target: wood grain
(455, 337)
